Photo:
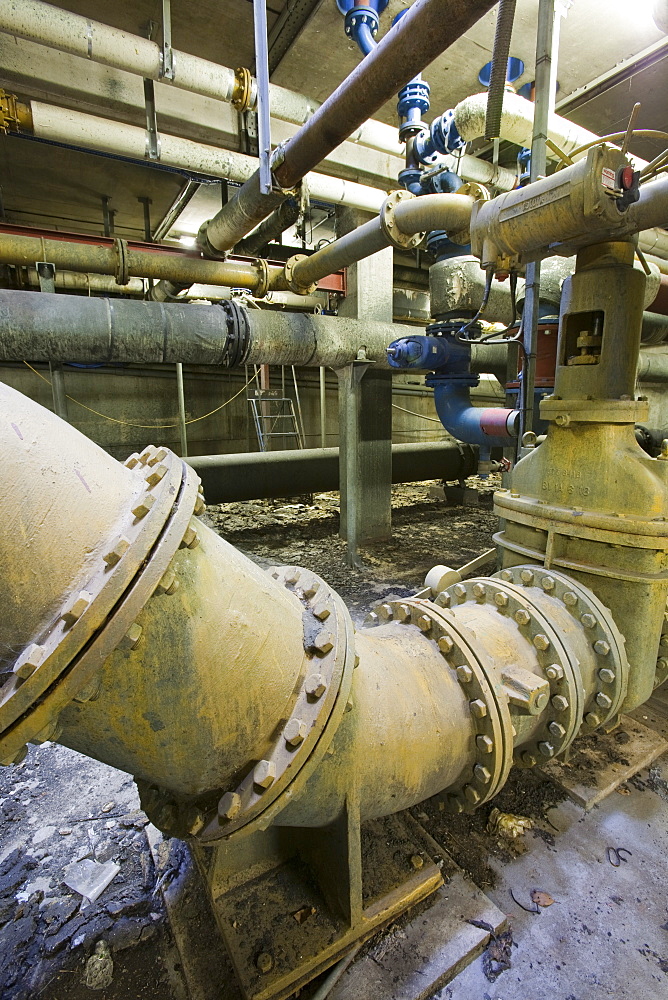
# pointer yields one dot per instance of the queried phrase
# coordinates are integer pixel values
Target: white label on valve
(608, 179)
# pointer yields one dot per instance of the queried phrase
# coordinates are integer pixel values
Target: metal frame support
(262, 76)
(183, 431)
(152, 135)
(46, 275)
(167, 68)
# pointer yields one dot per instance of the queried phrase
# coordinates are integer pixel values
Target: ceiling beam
(287, 27)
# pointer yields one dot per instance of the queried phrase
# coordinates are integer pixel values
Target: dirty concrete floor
(605, 936)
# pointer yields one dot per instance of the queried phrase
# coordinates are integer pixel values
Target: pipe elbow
(364, 38)
(488, 427)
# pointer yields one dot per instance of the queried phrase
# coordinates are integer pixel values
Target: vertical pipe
(262, 76)
(58, 390)
(182, 410)
(547, 41)
(323, 409)
(301, 435)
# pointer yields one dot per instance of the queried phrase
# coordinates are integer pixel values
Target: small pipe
(183, 432)
(490, 428)
(323, 408)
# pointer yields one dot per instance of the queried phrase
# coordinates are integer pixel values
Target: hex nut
(51, 731)
(89, 692)
(526, 576)
(74, 613)
(199, 507)
(145, 455)
(484, 743)
(588, 621)
(570, 599)
(506, 575)
(159, 455)
(601, 647)
(21, 755)
(295, 732)
(472, 794)
(322, 612)
(424, 623)
(464, 673)
(522, 617)
(603, 700)
(417, 861)
(315, 686)
(168, 583)
(459, 590)
(443, 600)
(541, 642)
(385, 612)
(482, 774)
(131, 638)
(292, 577)
(372, 618)
(540, 701)
(606, 675)
(454, 803)
(478, 708)
(547, 583)
(156, 475)
(478, 590)
(264, 962)
(310, 590)
(117, 551)
(323, 642)
(559, 703)
(29, 661)
(554, 672)
(230, 805)
(131, 461)
(592, 719)
(143, 507)
(402, 612)
(445, 644)
(264, 773)
(557, 730)
(528, 759)
(546, 748)
(190, 538)
(501, 600)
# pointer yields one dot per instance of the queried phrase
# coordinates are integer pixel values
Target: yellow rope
(149, 427)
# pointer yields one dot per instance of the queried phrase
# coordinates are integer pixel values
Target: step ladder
(274, 417)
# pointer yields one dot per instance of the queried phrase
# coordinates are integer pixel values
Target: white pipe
(90, 132)
(517, 125)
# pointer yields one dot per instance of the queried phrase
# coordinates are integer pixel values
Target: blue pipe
(466, 422)
(364, 38)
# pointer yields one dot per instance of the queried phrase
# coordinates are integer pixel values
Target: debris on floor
(507, 825)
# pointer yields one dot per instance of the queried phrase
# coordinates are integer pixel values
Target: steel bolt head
(417, 861)
(372, 618)
(443, 600)
(528, 759)
(559, 703)
(322, 612)
(264, 773)
(445, 644)
(606, 675)
(459, 590)
(51, 731)
(264, 962)
(402, 613)
(75, 611)
(526, 576)
(29, 661)
(501, 600)
(159, 455)
(478, 708)
(546, 749)
(570, 599)
(588, 620)
(603, 700)
(464, 674)
(541, 642)
(592, 719)
(117, 551)
(155, 476)
(292, 576)
(482, 774)
(539, 702)
(601, 647)
(472, 794)
(522, 617)
(200, 506)
(309, 590)
(315, 686)
(143, 507)
(557, 730)
(554, 672)
(131, 461)
(506, 575)
(478, 590)
(323, 642)
(547, 583)
(131, 638)
(168, 583)
(145, 455)
(485, 744)
(385, 612)
(190, 538)
(424, 623)
(295, 732)
(454, 804)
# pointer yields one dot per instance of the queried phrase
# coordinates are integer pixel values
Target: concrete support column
(365, 406)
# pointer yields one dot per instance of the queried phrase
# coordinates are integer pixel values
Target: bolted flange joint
(394, 235)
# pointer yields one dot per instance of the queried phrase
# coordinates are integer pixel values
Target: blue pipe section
(429, 354)
(364, 38)
(441, 137)
(361, 23)
(452, 398)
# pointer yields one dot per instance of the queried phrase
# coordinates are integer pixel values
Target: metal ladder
(274, 417)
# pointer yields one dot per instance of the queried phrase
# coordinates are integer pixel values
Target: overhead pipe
(394, 62)
(263, 475)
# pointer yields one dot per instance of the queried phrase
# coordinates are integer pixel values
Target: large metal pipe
(395, 61)
(262, 475)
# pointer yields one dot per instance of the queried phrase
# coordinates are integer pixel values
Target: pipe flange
(320, 700)
(490, 717)
(122, 276)
(289, 276)
(561, 712)
(242, 94)
(63, 662)
(402, 241)
(607, 642)
(238, 333)
(262, 267)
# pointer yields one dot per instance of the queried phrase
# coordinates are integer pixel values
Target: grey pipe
(262, 475)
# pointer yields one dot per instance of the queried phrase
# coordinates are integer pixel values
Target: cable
(645, 133)
(413, 413)
(483, 305)
(149, 427)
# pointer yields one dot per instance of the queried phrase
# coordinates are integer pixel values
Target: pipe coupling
(394, 235)
(292, 283)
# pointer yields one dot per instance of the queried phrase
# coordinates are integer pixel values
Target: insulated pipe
(262, 475)
(493, 427)
(394, 62)
(410, 216)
